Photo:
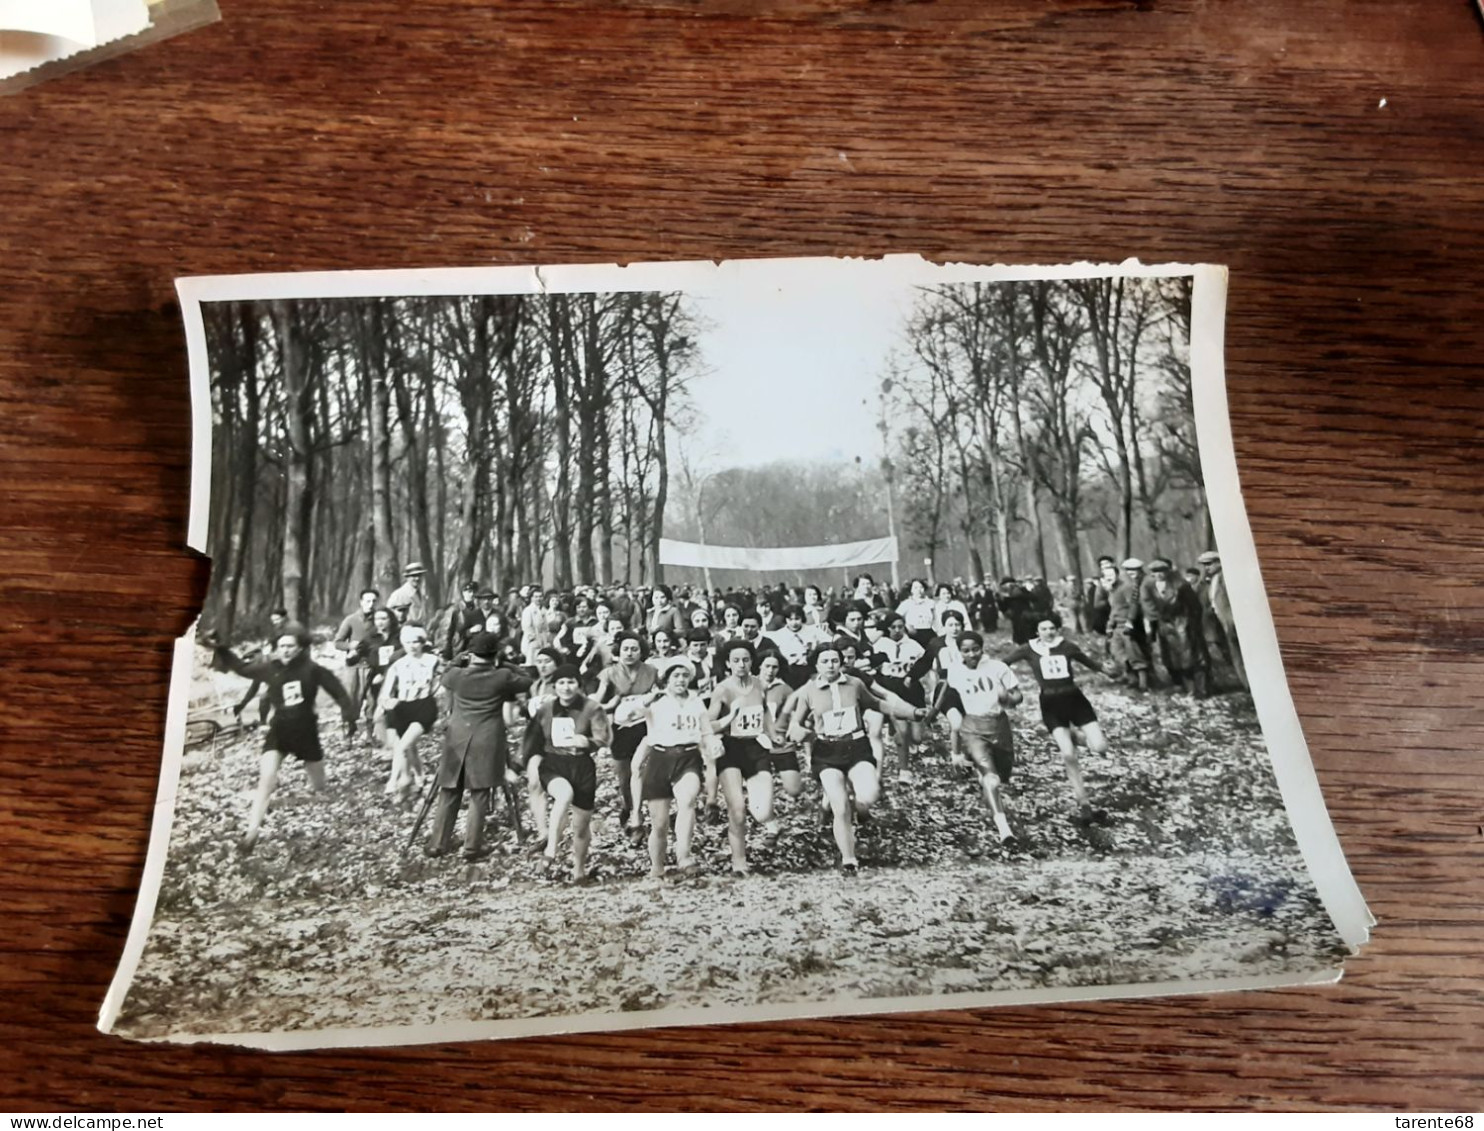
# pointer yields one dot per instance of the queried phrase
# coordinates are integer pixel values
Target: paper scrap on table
(35, 32)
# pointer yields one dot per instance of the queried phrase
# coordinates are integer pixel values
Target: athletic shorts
(663, 769)
(744, 754)
(400, 716)
(841, 754)
(987, 740)
(626, 742)
(782, 761)
(299, 737)
(907, 689)
(1067, 709)
(577, 770)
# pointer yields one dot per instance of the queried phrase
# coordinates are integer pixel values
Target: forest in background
(1034, 425)
(495, 436)
(1024, 427)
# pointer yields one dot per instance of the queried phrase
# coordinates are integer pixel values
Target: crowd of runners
(710, 705)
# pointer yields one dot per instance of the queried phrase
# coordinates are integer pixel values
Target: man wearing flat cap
(474, 749)
(1127, 640)
(1176, 615)
(409, 600)
(1218, 620)
(466, 618)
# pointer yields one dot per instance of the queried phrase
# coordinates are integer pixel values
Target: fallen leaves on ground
(1190, 870)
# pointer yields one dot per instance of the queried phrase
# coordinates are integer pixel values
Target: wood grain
(298, 135)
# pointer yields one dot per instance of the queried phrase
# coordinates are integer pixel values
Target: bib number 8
(1055, 667)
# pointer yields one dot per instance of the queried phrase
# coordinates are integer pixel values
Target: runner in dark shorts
(294, 682)
(783, 759)
(571, 727)
(577, 770)
(408, 704)
(665, 768)
(841, 754)
(623, 688)
(669, 763)
(1064, 709)
(832, 706)
(739, 710)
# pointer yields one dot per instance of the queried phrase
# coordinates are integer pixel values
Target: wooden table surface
(1331, 152)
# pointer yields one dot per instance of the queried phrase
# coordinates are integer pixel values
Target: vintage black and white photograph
(602, 647)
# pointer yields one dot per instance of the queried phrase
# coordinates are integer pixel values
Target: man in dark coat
(474, 750)
(1219, 622)
(466, 618)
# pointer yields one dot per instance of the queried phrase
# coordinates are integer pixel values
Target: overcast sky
(789, 363)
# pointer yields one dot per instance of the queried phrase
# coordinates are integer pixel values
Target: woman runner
(376, 654)
(945, 601)
(919, 611)
(623, 689)
(1064, 709)
(410, 707)
(979, 690)
(570, 727)
(834, 703)
(783, 759)
(739, 712)
(541, 690)
(669, 764)
(294, 682)
(899, 667)
(661, 646)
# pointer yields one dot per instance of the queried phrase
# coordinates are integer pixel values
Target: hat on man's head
(1159, 565)
(413, 569)
(485, 644)
(484, 591)
(1210, 557)
(1132, 563)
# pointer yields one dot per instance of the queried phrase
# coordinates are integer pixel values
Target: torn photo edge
(1294, 771)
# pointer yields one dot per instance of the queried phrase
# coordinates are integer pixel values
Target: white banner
(842, 556)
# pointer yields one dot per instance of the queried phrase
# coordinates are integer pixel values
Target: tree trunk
(245, 470)
(371, 324)
(559, 315)
(475, 393)
(297, 406)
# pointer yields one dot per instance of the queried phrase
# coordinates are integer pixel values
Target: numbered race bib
(688, 725)
(747, 722)
(838, 724)
(563, 732)
(1055, 667)
(384, 654)
(980, 695)
(630, 710)
(293, 693)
